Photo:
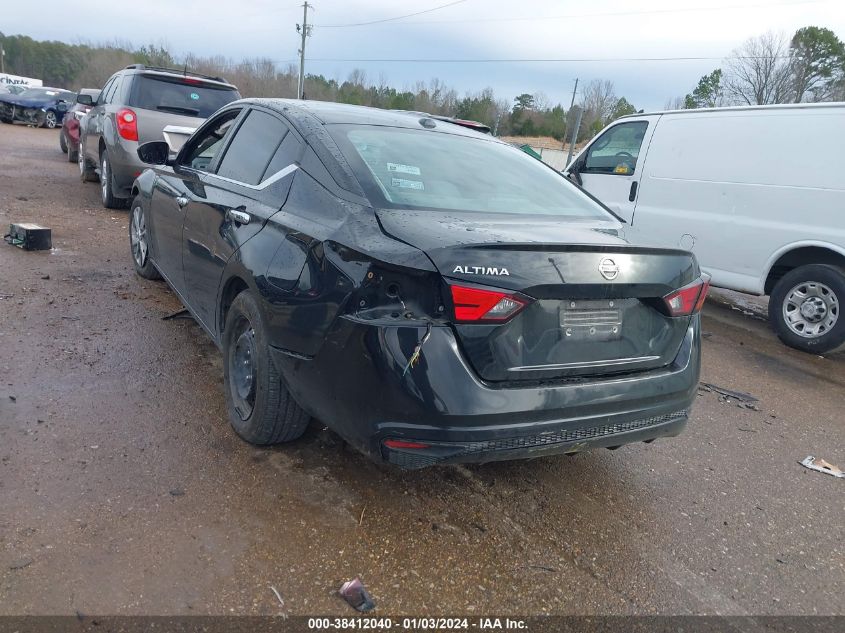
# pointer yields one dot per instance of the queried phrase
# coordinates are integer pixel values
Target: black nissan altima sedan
(428, 292)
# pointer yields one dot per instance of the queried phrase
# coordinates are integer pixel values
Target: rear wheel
(50, 120)
(63, 142)
(110, 201)
(86, 172)
(72, 154)
(140, 243)
(805, 308)
(261, 409)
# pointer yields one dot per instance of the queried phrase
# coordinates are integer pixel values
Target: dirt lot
(124, 491)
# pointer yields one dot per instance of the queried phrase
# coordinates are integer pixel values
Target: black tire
(6, 119)
(109, 199)
(823, 288)
(63, 142)
(72, 155)
(139, 241)
(86, 172)
(261, 409)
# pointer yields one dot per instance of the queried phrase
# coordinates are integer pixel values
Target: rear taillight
(127, 124)
(477, 305)
(689, 299)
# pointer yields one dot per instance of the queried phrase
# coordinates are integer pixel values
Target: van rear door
(611, 164)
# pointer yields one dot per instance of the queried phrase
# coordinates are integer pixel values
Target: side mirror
(574, 174)
(154, 153)
(86, 100)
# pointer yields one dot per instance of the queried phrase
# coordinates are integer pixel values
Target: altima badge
(481, 270)
(608, 269)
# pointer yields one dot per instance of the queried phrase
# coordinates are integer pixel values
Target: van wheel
(261, 409)
(805, 308)
(62, 142)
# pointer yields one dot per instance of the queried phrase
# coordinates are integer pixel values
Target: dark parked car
(430, 293)
(42, 107)
(134, 107)
(69, 137)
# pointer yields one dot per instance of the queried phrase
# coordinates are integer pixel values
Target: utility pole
(305, 30)
(573, 138)
(2, 59)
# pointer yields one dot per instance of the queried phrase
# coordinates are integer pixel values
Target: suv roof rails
(175, 71)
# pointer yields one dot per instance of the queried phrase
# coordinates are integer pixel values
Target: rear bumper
(358, 386)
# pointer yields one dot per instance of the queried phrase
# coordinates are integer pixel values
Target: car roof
(329, 113)
(745, 108)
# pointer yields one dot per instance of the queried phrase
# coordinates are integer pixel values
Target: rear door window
(253, 148)
(616, 151)
(288, 153)
(188, 97)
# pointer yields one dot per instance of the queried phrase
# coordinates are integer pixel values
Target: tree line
(76, 66)
(766, 69)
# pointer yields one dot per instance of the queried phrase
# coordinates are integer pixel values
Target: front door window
(616, 151)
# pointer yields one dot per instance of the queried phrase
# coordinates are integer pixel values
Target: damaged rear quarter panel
(309, 259)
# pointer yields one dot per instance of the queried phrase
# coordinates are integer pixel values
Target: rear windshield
(421, 169)
(179, 97)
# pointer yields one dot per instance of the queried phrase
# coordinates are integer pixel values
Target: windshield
(44, 93)
(191, 97)
(406, 168)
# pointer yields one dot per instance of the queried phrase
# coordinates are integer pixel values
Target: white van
(757, 193)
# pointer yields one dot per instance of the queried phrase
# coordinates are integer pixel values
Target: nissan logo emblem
(608, 269)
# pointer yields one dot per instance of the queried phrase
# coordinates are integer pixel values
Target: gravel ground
(124, 491)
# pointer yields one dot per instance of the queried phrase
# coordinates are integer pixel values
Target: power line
(570, 16)
(549, 60)
(393, 19)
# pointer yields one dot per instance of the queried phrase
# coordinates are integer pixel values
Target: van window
(616, 151)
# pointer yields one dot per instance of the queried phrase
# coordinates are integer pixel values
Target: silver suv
(134, 107)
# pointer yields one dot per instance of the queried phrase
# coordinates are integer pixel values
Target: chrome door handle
(181, 201)
(238, 217)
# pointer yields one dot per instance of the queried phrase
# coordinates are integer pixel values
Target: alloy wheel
(50, 120)
(138, 237)
(811, 309)
(80, 159)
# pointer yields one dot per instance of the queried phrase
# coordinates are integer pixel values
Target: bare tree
(674, 104)
(758, 72)
(598, 100)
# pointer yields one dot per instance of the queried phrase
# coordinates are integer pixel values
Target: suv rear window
(178, 96)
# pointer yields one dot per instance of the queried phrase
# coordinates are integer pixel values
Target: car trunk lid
(593, 302)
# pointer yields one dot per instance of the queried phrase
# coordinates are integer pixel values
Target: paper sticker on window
(401, 183)
(194, 96)
(403, 169)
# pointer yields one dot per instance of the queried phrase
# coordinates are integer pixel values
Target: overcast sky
(471, 29)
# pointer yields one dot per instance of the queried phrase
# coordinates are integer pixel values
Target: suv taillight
(477, 305)
(689, 299)
(127, 124)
